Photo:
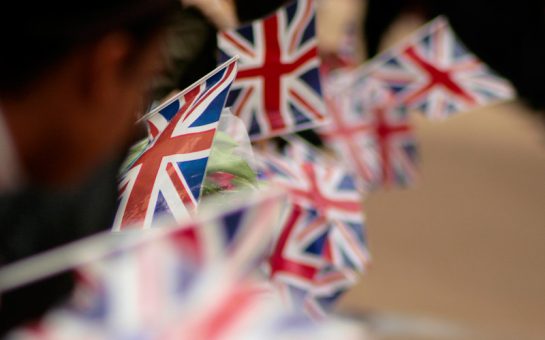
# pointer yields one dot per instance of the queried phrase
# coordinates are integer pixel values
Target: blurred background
(461, 255)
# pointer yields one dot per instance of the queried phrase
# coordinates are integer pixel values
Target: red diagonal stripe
(436, 77)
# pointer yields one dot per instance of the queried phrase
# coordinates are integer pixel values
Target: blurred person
(73, 77)
(508, 36)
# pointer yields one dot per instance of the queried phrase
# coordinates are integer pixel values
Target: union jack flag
(166, 180)
(153, 292)
(277, 90)
(299, 265)
(331, 195)
(436, 74)
(240, 235)
(317, 300)
(324, 228)
(242, 309)
(133, 284)
(298, 253)
(370, 132)
(152, 289)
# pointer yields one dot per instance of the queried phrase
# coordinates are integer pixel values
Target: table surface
(466, 246)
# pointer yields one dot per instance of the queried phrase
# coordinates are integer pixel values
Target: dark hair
(36, 35)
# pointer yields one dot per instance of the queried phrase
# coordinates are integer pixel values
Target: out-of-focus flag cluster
(321, 244)
(155, 288)
(430, 71)
(370, 132)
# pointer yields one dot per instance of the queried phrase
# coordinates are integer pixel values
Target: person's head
(73, 76)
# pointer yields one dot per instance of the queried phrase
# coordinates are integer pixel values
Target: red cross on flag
(369, 132)
(432, 71)
(278, 89)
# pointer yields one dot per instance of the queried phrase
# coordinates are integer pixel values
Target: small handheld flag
(277, 90)
(432, 71)
(166, 180)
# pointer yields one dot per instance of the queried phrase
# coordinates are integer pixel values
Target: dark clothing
(34, 220)
(29, 303)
